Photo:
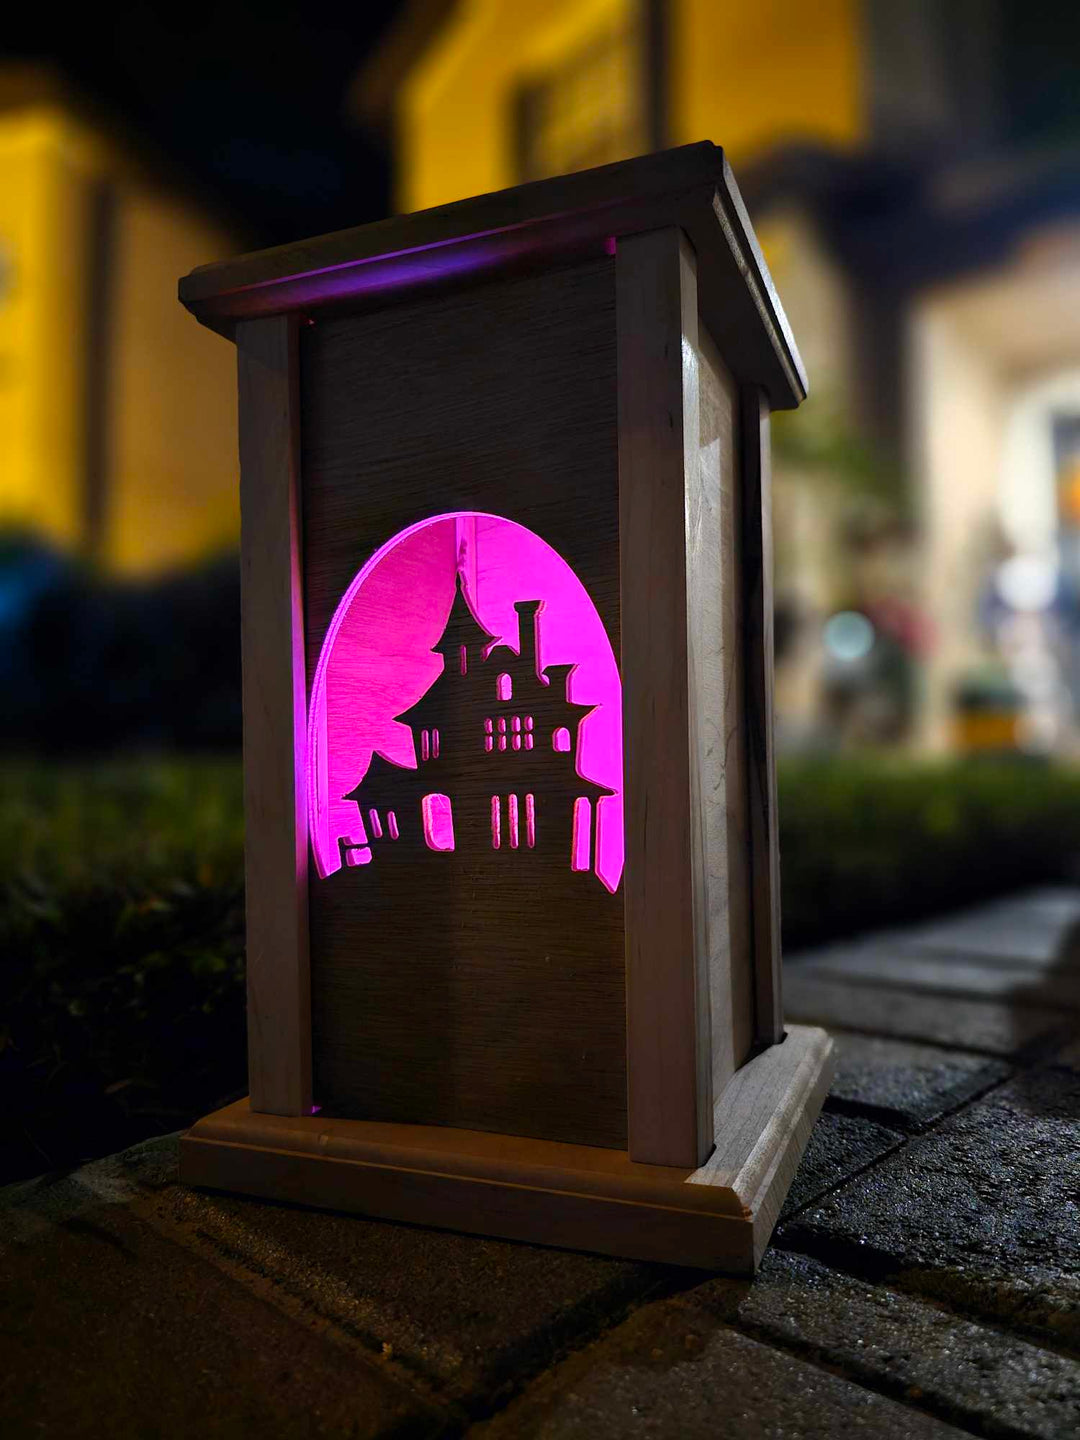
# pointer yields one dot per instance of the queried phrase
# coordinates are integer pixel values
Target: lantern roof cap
(579, 216)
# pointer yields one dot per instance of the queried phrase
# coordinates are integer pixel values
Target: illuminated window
(591, 109)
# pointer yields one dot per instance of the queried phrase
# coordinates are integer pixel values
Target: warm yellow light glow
(45, 166)
(168, 423)
(456, 109)
(753, 76)
(746, 76)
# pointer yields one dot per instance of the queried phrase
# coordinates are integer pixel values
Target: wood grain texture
(763, 1121)
(441, 996)
(570, 216)
(582, 1197)
(666, 651)
(279, 1017)
(718, 718)
(764, 815)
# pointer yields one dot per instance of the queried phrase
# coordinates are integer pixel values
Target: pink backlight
(438, 816)
(513, 806)
(582, 837)
(561, 739)
(373, 821)
(496, 822)
(530, 821)
(391, 824)
(377, 661)
(504, 687)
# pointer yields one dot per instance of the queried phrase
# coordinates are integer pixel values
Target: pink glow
(530, 821)
(376, 827)
(513, 804)
(391, 824)
(496, 822)
(464, 660)
(438, 822)
(376, 662)
(434, 744)
(582, 837)
(358, 856)
(561, 739)
(504, 687)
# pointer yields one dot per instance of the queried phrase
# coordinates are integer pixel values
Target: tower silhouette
(495, 742)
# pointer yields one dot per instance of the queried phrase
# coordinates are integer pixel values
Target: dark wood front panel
(443, 993)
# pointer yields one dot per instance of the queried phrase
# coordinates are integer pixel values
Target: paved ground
(924, 1280)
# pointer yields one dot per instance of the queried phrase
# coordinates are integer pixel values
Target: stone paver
(973, 1374)
(468, 1318)
(991, 1026)
(108, 1330)
(472, 1317)
(1038, 928)
(840, 1146)
(982, 1212)
(951, 975)
(673, 1371)
(908, 1086)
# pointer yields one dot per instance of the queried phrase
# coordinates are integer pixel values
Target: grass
(121, 932)
(121, 916)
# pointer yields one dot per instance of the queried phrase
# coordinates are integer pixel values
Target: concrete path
(924, 1280)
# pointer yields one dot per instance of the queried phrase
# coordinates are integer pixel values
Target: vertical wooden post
(669, 1101)
(764, 840)
(275, 798)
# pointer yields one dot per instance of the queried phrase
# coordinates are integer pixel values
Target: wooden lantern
(512, 877)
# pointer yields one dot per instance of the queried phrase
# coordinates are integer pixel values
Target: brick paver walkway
(924, 1279)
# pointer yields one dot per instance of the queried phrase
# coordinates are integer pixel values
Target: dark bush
(871, 842)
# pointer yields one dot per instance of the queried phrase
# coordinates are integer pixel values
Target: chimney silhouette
(526, 612)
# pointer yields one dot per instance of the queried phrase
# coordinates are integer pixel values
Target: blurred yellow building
(117, 415)
(913, 170)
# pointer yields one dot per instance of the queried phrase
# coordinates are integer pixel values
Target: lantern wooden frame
(720, 1099)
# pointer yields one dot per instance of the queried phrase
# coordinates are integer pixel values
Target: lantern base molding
(579, 1197)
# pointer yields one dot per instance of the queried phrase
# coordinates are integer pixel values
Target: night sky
(246, 101)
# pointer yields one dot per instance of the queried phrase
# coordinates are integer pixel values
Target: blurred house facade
(117, 415)
(913, 172)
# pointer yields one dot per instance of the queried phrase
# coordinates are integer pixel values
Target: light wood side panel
(668, 1044)
(279, 1006)
(718, 718)
(764, 841)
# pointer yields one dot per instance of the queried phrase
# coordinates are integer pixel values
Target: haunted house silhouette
(495, 744)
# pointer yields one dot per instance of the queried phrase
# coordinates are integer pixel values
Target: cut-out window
(391, 824)
(464, 659)
(561, 740)
(424, 752)
(582, 842)
(438, 822)
(489, 738)
(512, 804)
(496, 822)
(504, 687)
(434, 744)
(530, 821)
(375, 823)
